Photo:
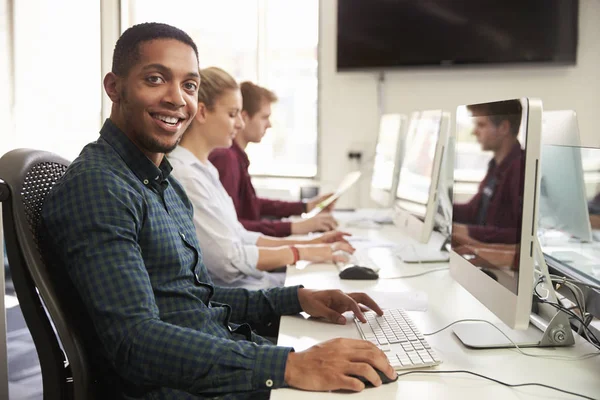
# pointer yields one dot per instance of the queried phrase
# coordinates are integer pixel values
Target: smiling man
(117, 231)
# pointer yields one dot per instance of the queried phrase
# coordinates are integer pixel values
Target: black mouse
(358, 272)
(384, 378)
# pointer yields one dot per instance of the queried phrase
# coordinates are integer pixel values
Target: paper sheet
(410, 301)
(363, 242)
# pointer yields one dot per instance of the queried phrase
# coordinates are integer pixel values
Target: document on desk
(363, 242)
(410, 301)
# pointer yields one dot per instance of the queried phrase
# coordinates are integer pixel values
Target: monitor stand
(548, 327)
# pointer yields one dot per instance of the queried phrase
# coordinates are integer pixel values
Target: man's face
(489, 136)
(158, 98)
(256, 127)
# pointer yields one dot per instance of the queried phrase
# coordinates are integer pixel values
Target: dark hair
(507, 110)
(127, 49)
(253, 97)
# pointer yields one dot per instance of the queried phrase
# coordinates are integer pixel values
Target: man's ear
(201, 114)
(112, 86)
(245, 117)
(504, 127)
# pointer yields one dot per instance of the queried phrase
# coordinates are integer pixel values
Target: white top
(229, 250)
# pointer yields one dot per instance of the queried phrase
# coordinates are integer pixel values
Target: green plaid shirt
(123, 228)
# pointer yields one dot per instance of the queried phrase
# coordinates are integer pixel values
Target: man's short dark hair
(507, 110)
(127, 49)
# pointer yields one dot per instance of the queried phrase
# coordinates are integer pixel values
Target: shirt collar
(136, 160)
(241, 153)
(186, 157)
(515, 153)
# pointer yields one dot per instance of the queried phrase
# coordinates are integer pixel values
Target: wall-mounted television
(382, 34)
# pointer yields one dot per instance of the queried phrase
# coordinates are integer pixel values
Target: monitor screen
(563, 203)
(387, 155)
(487, 212)
(417, 170)
(375, 34)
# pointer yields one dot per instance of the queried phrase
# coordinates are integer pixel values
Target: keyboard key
(400, 339)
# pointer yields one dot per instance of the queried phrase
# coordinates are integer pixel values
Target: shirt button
(269, 383)
(146, 181)
(182, 236)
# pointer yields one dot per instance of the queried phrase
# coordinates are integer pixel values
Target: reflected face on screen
(489, 136)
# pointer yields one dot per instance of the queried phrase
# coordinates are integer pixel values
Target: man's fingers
(330, 314)
(352, 305)
(347, 247)
(350, 383)
(365, 299)
(365, 370)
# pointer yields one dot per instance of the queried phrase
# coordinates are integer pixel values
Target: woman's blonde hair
(213, 83)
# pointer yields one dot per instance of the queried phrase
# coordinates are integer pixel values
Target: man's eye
(191, 86)
(154, 79)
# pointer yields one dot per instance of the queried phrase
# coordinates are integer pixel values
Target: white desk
(447, 302)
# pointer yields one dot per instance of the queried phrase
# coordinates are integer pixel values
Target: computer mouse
(384, 378)
(358, 272)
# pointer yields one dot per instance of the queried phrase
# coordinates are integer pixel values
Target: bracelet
(296, 254)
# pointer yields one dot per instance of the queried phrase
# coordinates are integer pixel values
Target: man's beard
(154, 146)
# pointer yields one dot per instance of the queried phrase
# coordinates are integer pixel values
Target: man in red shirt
(494, 214)
(233, 163)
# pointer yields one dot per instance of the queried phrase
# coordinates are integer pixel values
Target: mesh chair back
(28, 176)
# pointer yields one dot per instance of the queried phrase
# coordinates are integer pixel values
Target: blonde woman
(233, 255)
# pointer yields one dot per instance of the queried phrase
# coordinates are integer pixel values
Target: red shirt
(232, 164)
(504, 214)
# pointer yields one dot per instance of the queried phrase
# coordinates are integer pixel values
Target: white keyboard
(419, 253)
(399, 338)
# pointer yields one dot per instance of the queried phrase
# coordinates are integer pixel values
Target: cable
(562, 278)
(565, 358)
(418, 274)
(587, 331)
(511, 385)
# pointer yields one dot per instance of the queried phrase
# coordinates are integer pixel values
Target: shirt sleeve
(280, 209)
(259, 305)
(98, 246)
(226, 254)
(270, 228)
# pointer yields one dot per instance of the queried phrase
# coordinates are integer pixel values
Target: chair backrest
(28, 176)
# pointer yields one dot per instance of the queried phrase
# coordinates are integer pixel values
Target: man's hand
(330, 237)
(325, 252)
(322, 222)
(330, 304)
(328, 366)
(312, 203)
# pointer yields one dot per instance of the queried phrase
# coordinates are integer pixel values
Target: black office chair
(28, 175)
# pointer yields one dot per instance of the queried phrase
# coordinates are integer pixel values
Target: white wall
(348, 101)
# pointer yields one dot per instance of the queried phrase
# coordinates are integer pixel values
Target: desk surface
(447, 302)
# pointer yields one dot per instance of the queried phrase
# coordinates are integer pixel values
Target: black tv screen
(378, 34)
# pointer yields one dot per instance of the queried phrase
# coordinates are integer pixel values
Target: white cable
(428, 271)
(562, 278)
(565, 358)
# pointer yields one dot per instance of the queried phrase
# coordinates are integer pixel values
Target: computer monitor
(563, 201)
(494, 244)
(388, 156)
(418, 182)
